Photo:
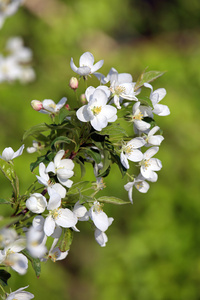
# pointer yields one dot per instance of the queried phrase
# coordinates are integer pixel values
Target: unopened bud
(36, 105)
(83, 99)
(67, 107)
(73, 83)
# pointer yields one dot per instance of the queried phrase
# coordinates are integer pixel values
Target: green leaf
(85, 199)
(61, 139)
(66, 240)
(65, 113)
(147, 77)
(82, 166)
(45, 159)
(76, 187)
(96, 155)
(117, 160)
(112, 200)
(35, 130)
(113, 130)
(4, 276)
(106, 163)
(35, 262)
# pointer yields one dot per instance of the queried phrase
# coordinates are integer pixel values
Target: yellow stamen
(139, 116)
(96, 110)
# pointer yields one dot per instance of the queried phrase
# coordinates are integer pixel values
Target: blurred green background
(153, 248)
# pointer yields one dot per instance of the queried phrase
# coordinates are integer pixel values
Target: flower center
(139, 185)
(55, 213)
(146, 163)
(96, 110)
(98, 207)
(54, 256)
(139, 116)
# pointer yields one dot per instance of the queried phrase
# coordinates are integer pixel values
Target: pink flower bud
(36, 105)
(67, 107)
(83, 99)
(73, 83)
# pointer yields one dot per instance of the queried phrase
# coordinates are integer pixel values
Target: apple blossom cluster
(93, 129)
(15, 64)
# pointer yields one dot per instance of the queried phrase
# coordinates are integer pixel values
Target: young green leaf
(113, 200)
(147, 77)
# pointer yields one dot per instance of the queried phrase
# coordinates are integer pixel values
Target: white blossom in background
(149, 165)
(16, 64)
(86, 65)
(36, 241)
(139, 183)
(8, 8)
(11, 257)
(131, 152)
(97, 112)
(20, 294)
(155, 97)
(62, 168)
(15, 47)
(121, 86)
(7, 236)
(9, 154)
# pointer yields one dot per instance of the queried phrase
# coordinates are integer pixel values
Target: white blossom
(149, 165)
(11, 257)
(139, 183)
(62, 168)
(137, 118)
(35, 147)
(45, 180)
(152, 139)
(86, 64)
(97, 112)
(9, 154)
(121, 86)
(100, 236)
(131, 152)
(20, 294)
(155, 97)
(36, 203)
(99, 217)
(62, 217)
(50, 107)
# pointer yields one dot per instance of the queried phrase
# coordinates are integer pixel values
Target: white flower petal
(66, 218)
(82, 114)
(49, 225)
(150, 152)
(97, 66)
(86, 59)
(124, 160)
(100, 219)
